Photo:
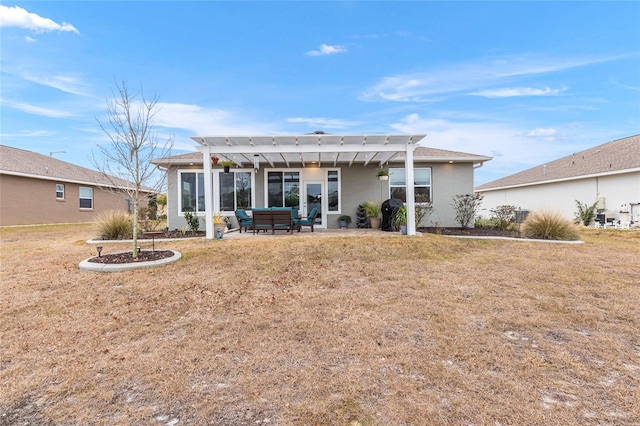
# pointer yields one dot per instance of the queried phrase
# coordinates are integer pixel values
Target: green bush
(585, 213)
(547, 225)
(192, 221)
(114, 224)
(490, 223)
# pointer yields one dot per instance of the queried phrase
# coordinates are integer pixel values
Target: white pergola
(319, 149)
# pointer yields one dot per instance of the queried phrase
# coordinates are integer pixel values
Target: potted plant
(227, 165)
(214, 160)
(372, 211)
(383, 174)
(399, 219)
(219, 223)
(344, 220)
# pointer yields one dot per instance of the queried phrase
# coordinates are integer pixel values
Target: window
(283, 189)
(192, 192)
(422, 184)
(86, 197)
(59, 191)
(235, 191)
(333, 188)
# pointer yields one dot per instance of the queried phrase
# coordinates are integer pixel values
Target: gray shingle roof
(612, 157)
(21, 162)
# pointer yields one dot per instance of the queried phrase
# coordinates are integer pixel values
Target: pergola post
(411, 199)
(208, 192)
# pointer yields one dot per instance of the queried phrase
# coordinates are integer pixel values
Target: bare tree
(126, 160)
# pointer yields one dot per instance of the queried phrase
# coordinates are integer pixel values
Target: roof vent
(544, 170)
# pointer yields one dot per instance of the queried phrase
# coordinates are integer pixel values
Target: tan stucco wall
(28, 201)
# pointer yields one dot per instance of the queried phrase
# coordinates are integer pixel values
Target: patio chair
(244, 220)
(308, 221)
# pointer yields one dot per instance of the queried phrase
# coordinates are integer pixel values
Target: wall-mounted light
(256, 162)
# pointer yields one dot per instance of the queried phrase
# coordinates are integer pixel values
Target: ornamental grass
(114, 224)
(549, 225)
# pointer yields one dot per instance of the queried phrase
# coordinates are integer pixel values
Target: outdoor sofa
(274, 218)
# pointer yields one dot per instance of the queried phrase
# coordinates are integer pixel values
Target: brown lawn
(370, 330)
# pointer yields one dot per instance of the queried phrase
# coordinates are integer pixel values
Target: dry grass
(329, 331)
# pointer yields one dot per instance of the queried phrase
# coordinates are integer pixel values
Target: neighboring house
(36, 189)
(335, 173)
(608, 173)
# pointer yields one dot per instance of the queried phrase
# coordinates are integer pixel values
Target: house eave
(67, 180)
(559, 180)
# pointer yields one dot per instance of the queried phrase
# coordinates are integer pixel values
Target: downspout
(411, 199)
(208, 193)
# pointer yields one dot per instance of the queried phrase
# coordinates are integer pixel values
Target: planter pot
(343, 224)
(383, 177)
(219, 227)
(375, 222)
(226, 169)
(403, 229)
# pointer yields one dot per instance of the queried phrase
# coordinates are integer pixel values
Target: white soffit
(322, 149)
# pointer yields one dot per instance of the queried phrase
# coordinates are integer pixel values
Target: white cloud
(207, 121)
(65, 83)
(37, 110)
(517, 91)
(326, 49)
(548, 135)
(27, 134)
(327, 123)
(471, 77)
(513, 149)
(30, 39)
(18, 17)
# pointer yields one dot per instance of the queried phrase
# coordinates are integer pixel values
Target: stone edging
(105, 267)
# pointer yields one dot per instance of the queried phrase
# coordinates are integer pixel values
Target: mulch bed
(472, 232)
(127, 257)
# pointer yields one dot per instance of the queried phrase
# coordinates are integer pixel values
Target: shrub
(490, 223)
(466, 206)
(192, 221)
(547, 225)
(114, 224)
(145, 221)
(586, 214)
(504, 215)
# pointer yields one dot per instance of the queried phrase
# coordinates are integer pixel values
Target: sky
(522, 82)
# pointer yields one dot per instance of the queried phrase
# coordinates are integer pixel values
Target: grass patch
(332, 330)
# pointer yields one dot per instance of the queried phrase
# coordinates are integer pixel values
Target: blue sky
(523, 82)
